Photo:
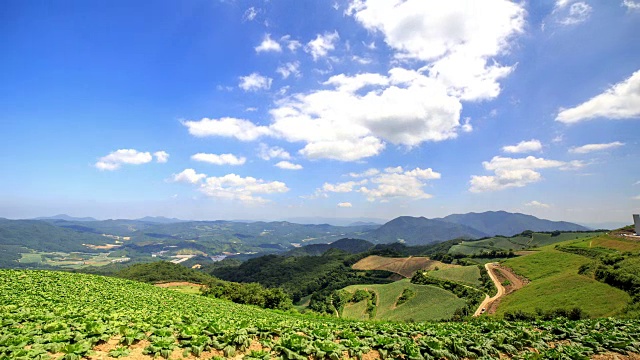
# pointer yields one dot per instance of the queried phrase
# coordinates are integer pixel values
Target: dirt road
(500, 275)
(488, 300)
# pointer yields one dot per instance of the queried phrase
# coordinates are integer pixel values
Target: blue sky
(279, 109)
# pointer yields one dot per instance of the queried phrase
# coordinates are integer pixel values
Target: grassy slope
(466, 274)
(429, 303)
(555, 283)
(608, 241)
(515, 243)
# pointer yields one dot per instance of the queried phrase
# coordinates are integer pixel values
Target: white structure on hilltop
(636, 222)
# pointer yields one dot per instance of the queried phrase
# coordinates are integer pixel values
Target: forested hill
(508, 224)
(352, 246)
(421, 231)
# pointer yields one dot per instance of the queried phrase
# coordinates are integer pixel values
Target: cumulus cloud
(523, 147)
(244, 189)
(461, 41)
(537, 204)
(620, 101)
(383, 186)
(115, 159)
(243, 130)
(292, 45)
(268, 44)
(161, 156)
(222, 159)
(510, 172)
(345, 205)
(631, 5)
(265, 152)
(366, 173)
(595, 147)
(446, 53)
(255, 82)
(286, 165)
(343, 187)
(189, 176)
(322, 44)
(288, 69)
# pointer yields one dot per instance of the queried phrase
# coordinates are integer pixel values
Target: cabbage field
(72, 316)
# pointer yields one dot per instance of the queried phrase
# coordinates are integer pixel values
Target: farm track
(498, 276)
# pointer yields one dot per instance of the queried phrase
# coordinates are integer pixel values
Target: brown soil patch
(526, 252)
(616, 356)
(177, 283)
(371, 355)
(404, 266)
(516, 282)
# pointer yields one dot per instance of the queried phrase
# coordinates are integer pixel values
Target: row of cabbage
(44, 313)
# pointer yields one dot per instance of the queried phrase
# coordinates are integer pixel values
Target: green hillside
(45, 313)
(556, 283)
(428, 303)
(526, 240)
(466, 274)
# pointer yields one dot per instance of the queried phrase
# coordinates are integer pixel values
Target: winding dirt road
(489, 300)
(500, 275)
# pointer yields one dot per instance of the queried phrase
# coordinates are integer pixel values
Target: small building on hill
(636, 222)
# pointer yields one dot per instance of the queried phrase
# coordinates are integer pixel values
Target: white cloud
(537, 204)
(576, 13)
(255, 82)
(251, 109)
(292, 45)
(450, 51)
(267, 153)
(460, 40)
(286, 165)
(636, 197)
(523, 147)
(188, 176)
(268, 44)
(290, 68)
(405, 184)
(390, 184)
(222, 159)
(345, 205)
(250, 14)
(115, 159)
(343, 187)
(322, 44)
(510, 172)
(405, 108)
(366, 173)
(240, 129)
(161, 156)
(595, 147)
(620, 101)
(631, 5)
(235, 187)
(343, 150)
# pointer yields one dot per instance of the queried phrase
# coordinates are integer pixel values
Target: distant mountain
(65, 217)
(606, 225)
(337, 221)
(160, 220)
(508, 224)
(352, 246)
(363, 223)
(420, 231)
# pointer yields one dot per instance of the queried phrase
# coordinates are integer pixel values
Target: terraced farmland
(405, 266)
